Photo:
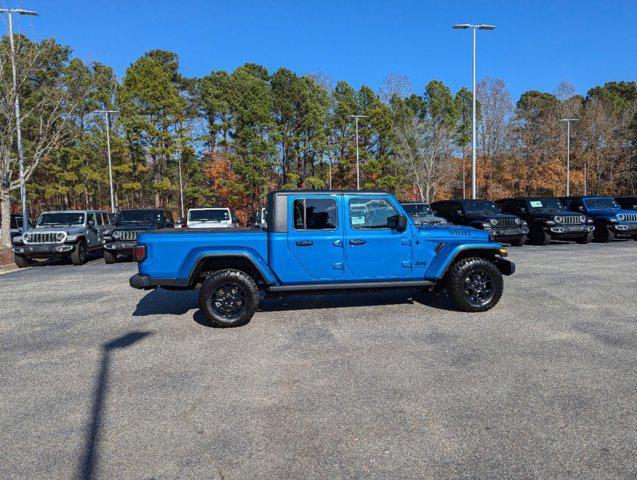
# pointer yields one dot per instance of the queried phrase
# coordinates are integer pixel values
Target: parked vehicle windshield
(601, 203)
(62, 218)
(480, 206)
(546, 204)
(139, 216)
(212, 215)
(418, 209)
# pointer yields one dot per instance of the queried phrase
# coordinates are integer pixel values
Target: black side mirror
(183, 222)
(397, 222)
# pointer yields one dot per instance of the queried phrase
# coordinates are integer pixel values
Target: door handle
(305, 243)
(357, 242)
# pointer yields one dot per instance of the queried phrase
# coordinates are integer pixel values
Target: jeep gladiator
(322, 241)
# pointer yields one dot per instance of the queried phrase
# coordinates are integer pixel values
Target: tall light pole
(568, 152)
(23, 189)
(358, 169)
(106, 114)
(464, 26)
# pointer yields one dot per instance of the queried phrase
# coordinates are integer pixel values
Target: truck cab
(611, 220)
(322, 241)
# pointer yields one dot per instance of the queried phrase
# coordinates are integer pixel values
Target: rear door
(315, 237)
(373, 250)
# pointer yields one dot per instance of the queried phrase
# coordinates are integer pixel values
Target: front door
(315, 238)
(92, 240)
(373, 250)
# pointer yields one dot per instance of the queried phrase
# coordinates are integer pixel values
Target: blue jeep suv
(610, 219)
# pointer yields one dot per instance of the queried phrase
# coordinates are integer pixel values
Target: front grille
(628, 217)
(126, 234)
(43, 237)
(506, 222)
(568, 219)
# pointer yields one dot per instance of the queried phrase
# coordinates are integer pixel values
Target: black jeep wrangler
(485, 215)
(549, 220)
(121, 240)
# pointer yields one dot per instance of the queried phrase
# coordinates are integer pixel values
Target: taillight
(139, 253)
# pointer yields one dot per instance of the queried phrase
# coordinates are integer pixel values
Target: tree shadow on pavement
(87, 467)
(166, 302)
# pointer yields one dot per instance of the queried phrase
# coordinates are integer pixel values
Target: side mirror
(183, 222)
(459, 212)
(522, 210)
(90, 223)
(397, 222)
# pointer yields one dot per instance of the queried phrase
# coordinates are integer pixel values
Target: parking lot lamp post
(108, 152)
(23, 190)
(358, 169)
(568, 153)
(465, 26)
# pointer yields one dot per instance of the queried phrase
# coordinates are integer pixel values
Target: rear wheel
(21, 261)
(474, 284)
(603, 234)
(584, 239)
(229, 298)
(78, 256)
(110, 257)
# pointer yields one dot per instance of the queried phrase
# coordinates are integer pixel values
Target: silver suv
(67, 234)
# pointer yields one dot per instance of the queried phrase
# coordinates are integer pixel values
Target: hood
(451, 233)
(136, 226)
(488, 216)
(429, 219)
(556, 213)
(609, 212)
(71, 230)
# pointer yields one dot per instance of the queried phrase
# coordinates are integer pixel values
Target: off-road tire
(110, 257)
(518, 242)
(21, 261)
(603, 234)
(79, 253)
(456, 279)
(247, 289)
(585, 239)
(540, 237)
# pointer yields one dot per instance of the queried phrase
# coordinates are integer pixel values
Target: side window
(100, 221)
(90, 219)
(577, 205)
(107, 220)
(370, 213)
(315, 214)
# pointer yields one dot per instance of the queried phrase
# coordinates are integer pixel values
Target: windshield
(139, 216)
(480, 206)
(418, 209)
(211, 215)
(601, 203)
(62, 218)
(546, 204)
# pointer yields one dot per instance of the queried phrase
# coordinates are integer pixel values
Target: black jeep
(485, 215)
(549, 220)
(121, 240)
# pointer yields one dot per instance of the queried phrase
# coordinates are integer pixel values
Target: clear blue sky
(537, 43)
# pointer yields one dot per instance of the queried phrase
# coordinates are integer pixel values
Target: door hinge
(338, 266)
(406, 263)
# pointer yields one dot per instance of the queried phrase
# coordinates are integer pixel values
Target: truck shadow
(87, 468)
(166, 302)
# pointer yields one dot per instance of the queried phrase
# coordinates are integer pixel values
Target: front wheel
(541, 237)
(22, 262)
(474, 284)
(110, 257)
(78, 256)
(603, 234)
(229, 298)
(585, 239)
(520, 241)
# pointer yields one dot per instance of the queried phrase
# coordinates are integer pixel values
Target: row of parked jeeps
(74, 234)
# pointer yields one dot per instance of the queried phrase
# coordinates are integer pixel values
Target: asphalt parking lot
(103, 381)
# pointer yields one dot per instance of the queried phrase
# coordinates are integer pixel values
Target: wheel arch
(452, 254)
(212, 262)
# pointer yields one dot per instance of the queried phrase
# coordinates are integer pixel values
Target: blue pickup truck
(322, 241)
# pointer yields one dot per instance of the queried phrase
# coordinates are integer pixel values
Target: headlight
(558, 219)
(117, 234)
(493, 221)
(517, 221)
(621, 217)
(60, 236)
(486, 225)
(582, 219)
(26, 236)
